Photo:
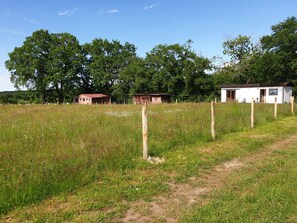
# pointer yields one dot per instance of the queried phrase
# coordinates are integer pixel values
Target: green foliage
(45, 62)
(280, 48)
(15, 97)
(133, 79)
(106, 62)
(27, 63)
(272, 60)
(177, 70)
(64, 66)
(56, 67)
(239, 48)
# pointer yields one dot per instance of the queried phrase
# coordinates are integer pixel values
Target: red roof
(95, 95)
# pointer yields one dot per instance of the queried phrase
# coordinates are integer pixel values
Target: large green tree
(132, 79)
(48, 64)
(64, 66)
(176, 69)
(272, 60)
(106, 61)
(241, 50)
(28, 64)
(279, 60)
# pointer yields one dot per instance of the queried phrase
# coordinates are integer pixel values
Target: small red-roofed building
(157, 98)
(88, 99)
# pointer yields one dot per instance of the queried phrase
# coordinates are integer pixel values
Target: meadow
(50, 149)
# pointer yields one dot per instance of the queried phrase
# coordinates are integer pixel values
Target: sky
(144, 23)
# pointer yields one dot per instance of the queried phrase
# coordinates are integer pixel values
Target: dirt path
(168, 208)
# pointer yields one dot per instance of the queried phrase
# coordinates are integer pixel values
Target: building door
(262, 95)
(230, 95)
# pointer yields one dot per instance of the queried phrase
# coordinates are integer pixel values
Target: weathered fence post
(252, 113)
(213, 133)
(215, 100)
(275, 107)
(144, 131)
(292, 104)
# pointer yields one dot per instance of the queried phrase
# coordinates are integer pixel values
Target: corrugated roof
(95, 95)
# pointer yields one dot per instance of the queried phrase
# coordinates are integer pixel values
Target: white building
(260, 93)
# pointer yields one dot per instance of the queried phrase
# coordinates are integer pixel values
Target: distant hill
(14, 97)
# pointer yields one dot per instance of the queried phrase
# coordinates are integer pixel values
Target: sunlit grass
(45, 150)
(262, 192)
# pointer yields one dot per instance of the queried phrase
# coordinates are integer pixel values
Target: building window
(273, 91)
(83, 99)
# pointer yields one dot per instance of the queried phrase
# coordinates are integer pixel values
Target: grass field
(50, 150)
(262, 192)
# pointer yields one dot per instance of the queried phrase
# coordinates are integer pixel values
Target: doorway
(230, 95)
(262, 95)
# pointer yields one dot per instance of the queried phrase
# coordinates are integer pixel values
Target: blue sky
(144, 23)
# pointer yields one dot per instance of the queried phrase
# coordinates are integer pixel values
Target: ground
(194, 177)
(182, 196)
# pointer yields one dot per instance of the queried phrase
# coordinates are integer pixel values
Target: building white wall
(271, 98)
(287, 94)
(245, 95)
(223, 95)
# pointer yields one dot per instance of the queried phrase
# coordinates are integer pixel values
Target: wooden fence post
(252, 113)
(215, 100)
(275, 107)
(292, 104)
(213, 133)
(144, 131)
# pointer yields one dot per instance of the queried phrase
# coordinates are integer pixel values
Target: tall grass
(45, 150)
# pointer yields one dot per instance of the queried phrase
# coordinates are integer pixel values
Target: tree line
(55, 67)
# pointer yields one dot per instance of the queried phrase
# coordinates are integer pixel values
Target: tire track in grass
(168, 208)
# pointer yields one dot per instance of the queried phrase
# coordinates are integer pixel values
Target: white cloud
(67, 12)
(31, 21)
(62, 13)
(148, 7)
(111, 11)
(11, 31)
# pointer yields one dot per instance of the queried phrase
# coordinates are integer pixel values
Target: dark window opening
(273, 91)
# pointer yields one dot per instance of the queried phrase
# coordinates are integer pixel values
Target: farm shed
(151, 98)
(260, 92)
(87, 99)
